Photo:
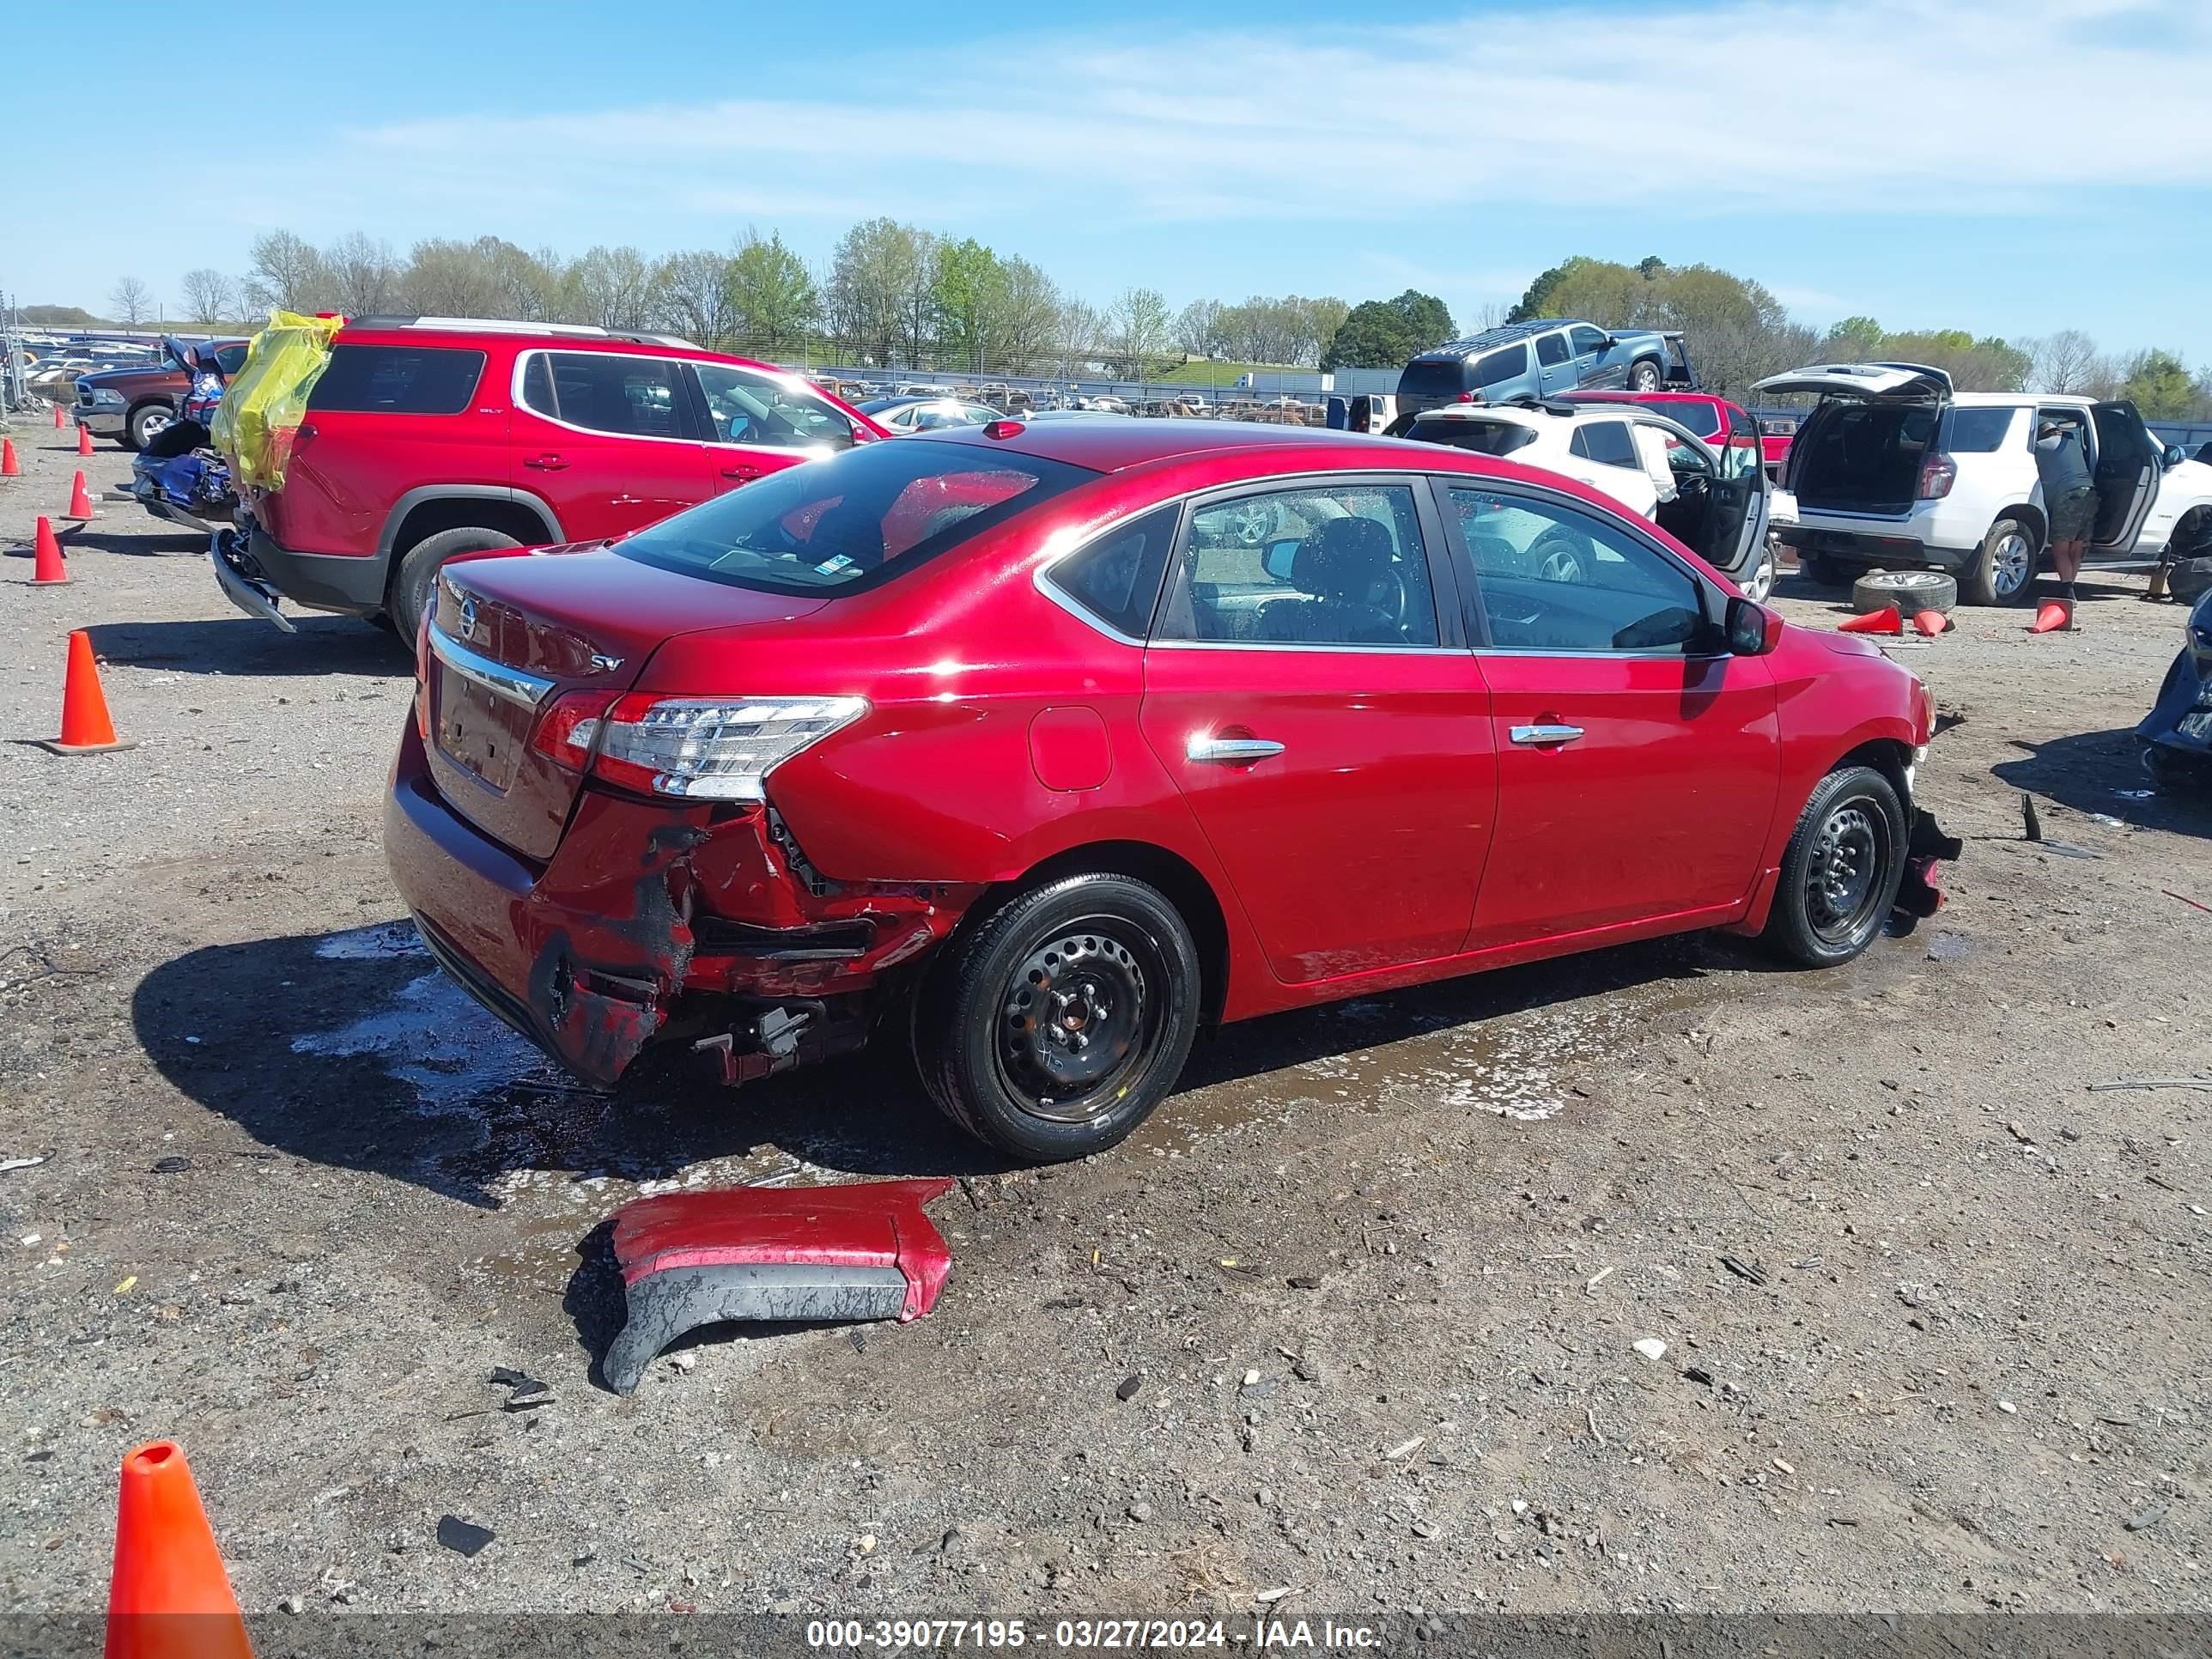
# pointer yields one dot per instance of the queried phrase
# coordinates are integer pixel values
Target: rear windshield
(1979, 431)
(1483, 437)
(1433, 377)
(393, 379)
(857, 518)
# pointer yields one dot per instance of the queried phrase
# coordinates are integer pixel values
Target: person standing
(2070, 501)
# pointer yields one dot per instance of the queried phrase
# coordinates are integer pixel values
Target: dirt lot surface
(1935, 1312)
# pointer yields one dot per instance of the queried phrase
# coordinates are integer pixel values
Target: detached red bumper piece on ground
(860, 1252)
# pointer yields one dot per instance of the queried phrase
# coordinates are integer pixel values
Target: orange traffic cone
(84, 440)
(169, 1597)
(58, 421)
(80, 507)
(1930, 623)
(10, 466)
(46, 566)
(86, 727)
(2053, 617)
(1887, 620)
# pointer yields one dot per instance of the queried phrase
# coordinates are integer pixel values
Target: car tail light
(699, 748)
(565, 732)
(1937, 474)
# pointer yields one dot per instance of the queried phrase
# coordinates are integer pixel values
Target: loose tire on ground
(1097, 956)
(1911, 591)
(2002, 570)
(1840, 871)
(418, 571)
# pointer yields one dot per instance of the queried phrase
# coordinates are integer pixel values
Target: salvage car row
(1035, 747)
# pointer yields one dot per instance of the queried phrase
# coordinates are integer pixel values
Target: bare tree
(364, 276)
(209, 296)
(610, 287)
(131, 300)
(287, 274)
(1137, 324)
(692, 295)
(2064, 361)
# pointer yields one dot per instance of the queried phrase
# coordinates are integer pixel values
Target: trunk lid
(1905, 382)
(511, 635)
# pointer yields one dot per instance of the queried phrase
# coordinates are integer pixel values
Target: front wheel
(1840, 871)
(1759, 581)
(148, 422)
(1056, 1027)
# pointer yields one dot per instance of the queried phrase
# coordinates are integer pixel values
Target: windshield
(868, 514)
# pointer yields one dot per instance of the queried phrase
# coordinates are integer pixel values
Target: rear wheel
(1646, 377)
(2002, 571)
(1056, 1027)
(411, 584)
(1840, 871)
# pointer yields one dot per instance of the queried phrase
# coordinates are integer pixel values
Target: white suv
(1714, 501)
(1895, 469)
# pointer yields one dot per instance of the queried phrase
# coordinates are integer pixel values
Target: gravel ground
(1934, 1312)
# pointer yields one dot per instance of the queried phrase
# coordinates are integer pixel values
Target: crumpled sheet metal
(863, 1251)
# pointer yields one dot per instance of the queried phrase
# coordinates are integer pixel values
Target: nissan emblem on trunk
(468, 616)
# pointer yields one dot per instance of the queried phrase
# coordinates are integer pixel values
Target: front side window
(232, 358)
(751, 408)
(1117, 578)
(1552, 349)
(1334, 565)
(631, 397)
(857, 517)
(1556, 578)
(1499, 367)
(1588, 341)
(390, 380)
(1606, 442)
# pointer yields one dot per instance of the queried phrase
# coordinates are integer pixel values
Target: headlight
(107, 396)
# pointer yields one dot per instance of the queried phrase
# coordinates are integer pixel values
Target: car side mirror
(2172, 455)
(1280, 557)
(1752, 630)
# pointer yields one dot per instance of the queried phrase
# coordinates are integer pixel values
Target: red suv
(1038, 746)
(426, 437)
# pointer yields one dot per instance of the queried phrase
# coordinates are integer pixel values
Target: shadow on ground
(324, 645)
(2101, 772)
(414, 1082)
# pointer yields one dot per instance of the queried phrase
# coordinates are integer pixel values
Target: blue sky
(2012, 166)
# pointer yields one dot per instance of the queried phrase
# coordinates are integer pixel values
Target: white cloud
(1691, 112)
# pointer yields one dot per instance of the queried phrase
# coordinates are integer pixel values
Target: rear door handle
(546, 463)
(1543, 736)
(1231, 751)
(745, 471)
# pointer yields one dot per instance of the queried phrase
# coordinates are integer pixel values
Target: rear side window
(1483, 437)
(397, 380)
(857, 518)
(1703, 420)
(1552, 349)
(631, 397)
(1607, 442)
(1979, 431)
(1117, 578)
(1500, 366)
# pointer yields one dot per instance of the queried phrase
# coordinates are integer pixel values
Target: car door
(1637, 764)
(1587, 347)
(608, 440)
(758, 422)
(1555, 364)
(1311, 693)
(1602, 454)
(2128, 467)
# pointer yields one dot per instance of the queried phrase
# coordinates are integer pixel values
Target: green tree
(876, 264)
(967, 287)
(692, 295)
(773, 300)
(2158, 384)
(1854, 338)
(1386, 333)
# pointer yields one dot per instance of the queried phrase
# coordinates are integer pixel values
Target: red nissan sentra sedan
(1038, 747)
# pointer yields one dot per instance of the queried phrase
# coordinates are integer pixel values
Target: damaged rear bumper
(654, 921)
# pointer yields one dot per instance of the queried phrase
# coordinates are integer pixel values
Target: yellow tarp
(263, 406)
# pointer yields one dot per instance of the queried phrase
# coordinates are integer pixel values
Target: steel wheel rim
(1080, 1017)
(2012, 562)
(1843, 878)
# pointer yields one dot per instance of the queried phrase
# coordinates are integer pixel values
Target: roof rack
(518, 325)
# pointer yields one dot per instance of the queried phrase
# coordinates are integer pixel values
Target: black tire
(1840, 871)
(2173, 774)
(1911, 591)
(145, 423)
(1820, 570)
(2002, 570)
(1644, 375)
(1107, 951)
(410, 593)
(2190, 579)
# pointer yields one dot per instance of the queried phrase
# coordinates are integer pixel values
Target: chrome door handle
(1230, 750)
(1540, 736)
